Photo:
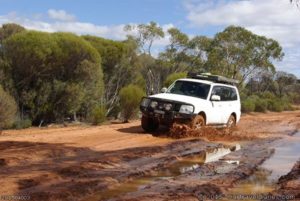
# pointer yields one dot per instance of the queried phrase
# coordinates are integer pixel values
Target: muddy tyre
(149, 124)
(198, 122)
(231, 123)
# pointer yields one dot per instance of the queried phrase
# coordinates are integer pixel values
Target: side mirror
(164, 90)
(215, 98)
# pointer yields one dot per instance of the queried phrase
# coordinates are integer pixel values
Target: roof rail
(213, 78)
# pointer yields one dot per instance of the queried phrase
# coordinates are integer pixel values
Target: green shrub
(174, 76)
(8, 109)
(275, 105)
(286, 103)
(20, 124)
(243, 95)
(295, 98)
(130, 97)
(248, 105)
(261, 105)
(261, 102)
(98, 115)
(267, 95)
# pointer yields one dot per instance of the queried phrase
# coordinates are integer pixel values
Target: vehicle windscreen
(195, 89)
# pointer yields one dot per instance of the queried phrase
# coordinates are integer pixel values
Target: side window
(233, 94)
(226, 93)
(217, 90)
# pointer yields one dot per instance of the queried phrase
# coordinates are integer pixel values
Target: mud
(209, 133)
(122, 162)
(210, 180)
(289, 184)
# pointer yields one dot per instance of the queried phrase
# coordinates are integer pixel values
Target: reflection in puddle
(264, 179)
(177, 168)
(193, 162)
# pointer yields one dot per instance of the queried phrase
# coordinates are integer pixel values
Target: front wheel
(198, 122)
(149, 124)
(231, 123)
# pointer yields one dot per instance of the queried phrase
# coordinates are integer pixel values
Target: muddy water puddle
(263, 181)
(181, 166)
(193, 162)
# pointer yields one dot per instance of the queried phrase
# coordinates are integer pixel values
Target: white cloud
(80, 28)
(60, 15)
(64, 24)
(290, 62)
(277, 19)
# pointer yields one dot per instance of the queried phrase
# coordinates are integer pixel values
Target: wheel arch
(202, 113)
(234, 114)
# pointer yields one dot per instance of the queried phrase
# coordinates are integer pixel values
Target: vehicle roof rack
(213, 78)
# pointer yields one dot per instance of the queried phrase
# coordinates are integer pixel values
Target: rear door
(229, 100)
(221, 110)
(216, 114)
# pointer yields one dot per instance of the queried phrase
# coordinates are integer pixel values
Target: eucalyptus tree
(145, 35)
(8, 30)
(54, 75)
(285, 82)
(238, 53)
(8, 109)
(185, 53)
(119, 63)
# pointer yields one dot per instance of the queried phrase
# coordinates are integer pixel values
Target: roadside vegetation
(54, 77)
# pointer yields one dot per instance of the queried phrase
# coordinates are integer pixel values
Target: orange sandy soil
(55, 159)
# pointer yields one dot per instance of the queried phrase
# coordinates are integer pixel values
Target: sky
(277, 19)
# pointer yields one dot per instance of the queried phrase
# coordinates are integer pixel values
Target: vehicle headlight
(168, 106)
(153, 104)
(186, 109)
(145, 102)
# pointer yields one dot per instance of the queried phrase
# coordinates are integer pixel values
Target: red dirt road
(74, 163)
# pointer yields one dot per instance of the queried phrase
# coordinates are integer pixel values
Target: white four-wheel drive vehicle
(198, 100)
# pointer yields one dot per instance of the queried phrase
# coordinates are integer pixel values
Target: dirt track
(94, 163)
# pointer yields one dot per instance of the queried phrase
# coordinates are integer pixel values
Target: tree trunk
(74, 116)
(41, 123)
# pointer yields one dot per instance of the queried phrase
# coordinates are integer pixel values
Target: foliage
(238, 53)
(119, 67)
(185, 54)
(8, 30)
(248, 105)
(266, 101)
(21, 124)
(261, 105)
(147, 33)
(295, 97)
(153, 72)
(174, 76)
(130, 97)
(275, 105)
(140, 81)
(54, 75)
(8, 109)
(283, 81)
(98, 115)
